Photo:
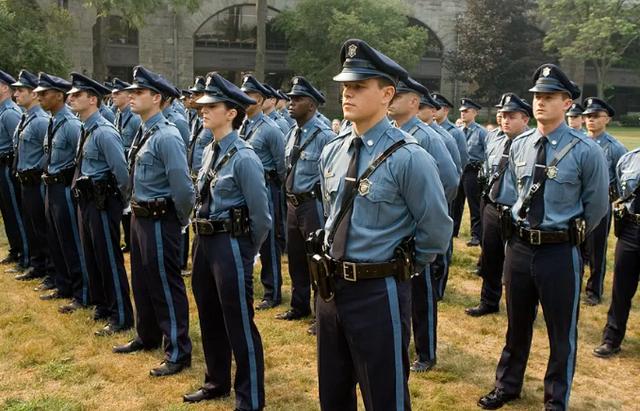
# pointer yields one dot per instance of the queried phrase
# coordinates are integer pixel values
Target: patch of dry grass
(53, 362)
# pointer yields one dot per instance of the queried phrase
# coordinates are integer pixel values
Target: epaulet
(525, 134)
(579, 134)
(341, 136)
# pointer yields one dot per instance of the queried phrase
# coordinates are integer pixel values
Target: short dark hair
(163, 97)
(384, 82)
(239, 118)
(92, 93)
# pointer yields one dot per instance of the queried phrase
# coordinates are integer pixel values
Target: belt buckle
(349, 271)
(535, 237)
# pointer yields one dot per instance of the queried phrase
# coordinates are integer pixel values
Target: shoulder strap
(351, 196)
(136, 148)
(213, 171)
(296, 156)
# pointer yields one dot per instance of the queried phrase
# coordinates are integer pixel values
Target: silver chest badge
(364, 187)
(552, 172)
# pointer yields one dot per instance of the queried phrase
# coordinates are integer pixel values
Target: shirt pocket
(563, 190)
(60, 150)
(308, 163)
(377, 207)
(523, 175)
(146, 164)
(224, 186)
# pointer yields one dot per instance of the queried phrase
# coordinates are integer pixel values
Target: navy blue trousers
(594, 253)
(492, 261)
(162, 308)
(625, 283)
(548, 275)
(108, 283)
(270, 251)
(10, 207)
(363, 338)
(302, 220)
(36, 225)
(424, 315)
(67, 255)
(222, 283)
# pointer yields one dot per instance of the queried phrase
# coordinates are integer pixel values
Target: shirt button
(369, 143)
(554, 142)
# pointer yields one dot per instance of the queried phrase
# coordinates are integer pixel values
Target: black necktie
(118, 120)
(49, 141)
(536, 210)
(339, 246)
(502, 165)
(293, 158)
(23, 119)
(203, 212)
(466, 132)
(243, 129)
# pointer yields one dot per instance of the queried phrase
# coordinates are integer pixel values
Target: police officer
(127, 123)
(10, 195)
(161, 202)
(106, 109)
(561, 182)
(475, 136)
(29, 163)
(497, 198)
(366, 237)
(269, 109)
(302, 184)
(232, 220)
(267, 140)
(441, 117)
(597, 115)
(173, 111)
(101, 186)
(281, 108)
(61, 142)
(574, 117)
(627, 258)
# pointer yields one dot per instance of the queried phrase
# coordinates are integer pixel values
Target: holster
(6, 159)
(613, 193)
(239, 221)
(272, 175)
(321, 275)
(155, 209)
(406, 253)
(577, 231)
(506, 225)
(619, 211)
(31, 177)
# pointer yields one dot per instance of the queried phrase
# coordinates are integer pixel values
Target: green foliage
(499, 47)
(136, 11)
(315, 34)
(33, 38)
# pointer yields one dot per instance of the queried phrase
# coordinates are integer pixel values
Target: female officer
(231, 222)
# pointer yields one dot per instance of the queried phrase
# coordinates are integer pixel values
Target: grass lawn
(53, 362)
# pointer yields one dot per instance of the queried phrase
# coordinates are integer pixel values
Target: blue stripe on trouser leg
(394, 309)
(167, 292)
(430, 312)
(272, 247)
(253, 373)
(117, 290)
(573, 338)
(76, 237)
(16, 210)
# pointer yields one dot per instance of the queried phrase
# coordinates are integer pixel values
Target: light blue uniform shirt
(580, 188)
(107, 113)
(613, 150)
(475, 136)
(628, 175)
(174, 116)
(66, 127)
(493, 155)
(405, 197)
(127, 123)
(431, 141)
(103, 154)
(30, 148)
(161, 168)
(450, 143)
(460, 139)
(323, 118)
(306, 174)
(287, 117)
(281, 122)
(9, 118)
(240, 182)
(198, 145)
(267, 141)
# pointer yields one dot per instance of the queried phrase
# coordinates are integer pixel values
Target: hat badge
(352, 50)
(507, 99)
(295, 81)
(546, 71)
(590, 102)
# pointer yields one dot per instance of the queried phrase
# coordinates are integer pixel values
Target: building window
(236, 27)
(119, 32)
(434, 46)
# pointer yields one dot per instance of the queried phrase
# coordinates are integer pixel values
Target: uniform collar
(556, 136)
(256, 117)
(375, 133)
(601, 137)
(6, 103)
(227, 141)
(309, 124)
(64, 112)
(35, 110)
(152, 121)
(92, 120)
(413, 121)
(471, 125)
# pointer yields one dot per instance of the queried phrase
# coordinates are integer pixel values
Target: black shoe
(606, 350)
(126, 249)
(15, 269)
(591, 300)
(45, 286)
(496, 399)
(131, 346)
(480, 310)
(290, 315)
(203, 394)
(312, 330)
(266, 304)
(55, 295)
(422, 366)
(29, 274)
(101, 314)
(169, 368)
(11, 258)
(111, 329)
(474, 242)
(71, 307)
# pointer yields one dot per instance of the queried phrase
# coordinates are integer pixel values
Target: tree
(499, 47)
(315, 34)
(136, 11)
(33, 38)
(596, 32)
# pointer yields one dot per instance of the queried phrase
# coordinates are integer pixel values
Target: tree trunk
(601, 70)
(261, 38)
